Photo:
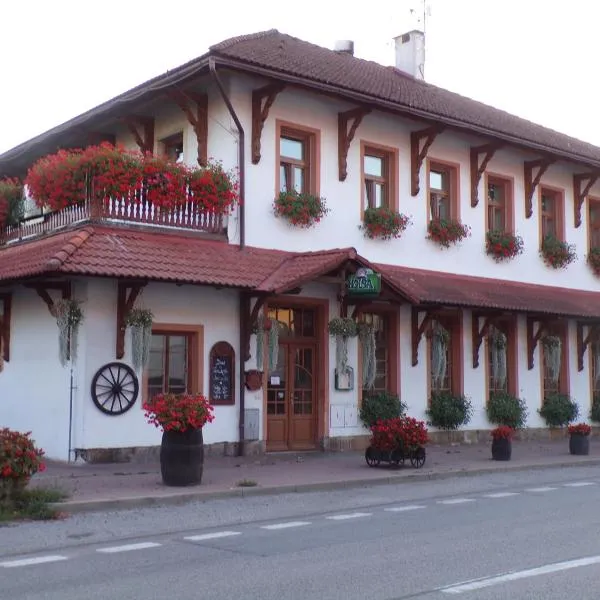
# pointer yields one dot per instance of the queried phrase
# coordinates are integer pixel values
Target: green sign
(364, 282)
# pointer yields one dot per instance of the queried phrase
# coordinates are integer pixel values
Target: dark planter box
(182, 457)
(501, 449)
(579, 444)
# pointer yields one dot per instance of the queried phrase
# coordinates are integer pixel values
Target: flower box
(446, 232)
(557, 254)
(593, 260)
(383, 223)
(300, 209)
(502, 245)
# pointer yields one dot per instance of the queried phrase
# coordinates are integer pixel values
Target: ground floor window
(445, 361)
(381, 382)
(595, 369)
(554, 361)
(170, 367)
(501, 351)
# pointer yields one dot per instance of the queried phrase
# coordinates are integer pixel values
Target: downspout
(241, 150)
(244, 301)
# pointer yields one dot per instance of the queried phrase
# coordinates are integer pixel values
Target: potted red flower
(593, 259)
(213, 189)
(557, 254)
(11, 201)
(579, 439)
(300, 209)
(181, 417)
(446, 232)
(503, 245)
(383, 223)
(502, 442)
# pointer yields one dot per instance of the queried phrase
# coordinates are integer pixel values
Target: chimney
(344, 47)
(410, 53)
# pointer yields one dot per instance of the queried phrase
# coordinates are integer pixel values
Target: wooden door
(292, 399)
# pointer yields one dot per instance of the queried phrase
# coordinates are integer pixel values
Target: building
(289, 114)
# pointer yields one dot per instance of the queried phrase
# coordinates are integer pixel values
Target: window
(445, 360)
(551, 213)
(377, 177)
(594, 222)
(499, 204)
(170, 369)
(501, 350)
(295, 322)
(594, 350)
(443, 192)
(173, 147)
(382, 382)
(550, 385)
(297, 160)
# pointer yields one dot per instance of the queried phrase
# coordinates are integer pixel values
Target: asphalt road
(526, 536)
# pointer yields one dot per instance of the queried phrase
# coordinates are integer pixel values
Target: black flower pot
(579, 444)
(501, 449)
(182, 457)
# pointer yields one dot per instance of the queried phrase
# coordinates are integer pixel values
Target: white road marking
(456, 501)
(541, 489)
(579, 484)
(25, 562)
(405, 508)
(128, 547)
(484, 582)
(285, 525)
(212, 536)
(501, 495)
(355, 515)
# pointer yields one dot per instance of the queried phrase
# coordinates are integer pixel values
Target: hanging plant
(556, 253)
(69, 317)
(368, 341)
(262, 324)
(446, 232)
(497, 342)
(503, 245)
(383, 223)
(552, 355)
(274, 331)
(342, 328)
(139, 320)
(300, 209)
(593, 260)
(11, 202)
(440, 338)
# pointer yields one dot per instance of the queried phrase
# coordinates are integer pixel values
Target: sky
(533, 58)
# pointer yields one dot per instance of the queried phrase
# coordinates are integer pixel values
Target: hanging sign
(365, 282)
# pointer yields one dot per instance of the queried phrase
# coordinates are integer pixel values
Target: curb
(107, 504)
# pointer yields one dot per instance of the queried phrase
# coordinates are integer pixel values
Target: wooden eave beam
(418, 153)
(5, 320)
(533, 337)
(43, 289)
(142, 130)
(127, 293)
(478, 168)
(479, 333)
(583, 341)
(345, 136)
(197, 115)
(582, 184)
(262, 100)
(532, 182)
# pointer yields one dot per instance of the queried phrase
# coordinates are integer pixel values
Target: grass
(33, 505)
(247, 483)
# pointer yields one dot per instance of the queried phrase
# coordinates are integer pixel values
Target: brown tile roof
(288, 55)
(433, 287)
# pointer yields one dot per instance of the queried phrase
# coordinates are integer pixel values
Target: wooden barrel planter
(579, 444)
(501, 449)
(182, 457)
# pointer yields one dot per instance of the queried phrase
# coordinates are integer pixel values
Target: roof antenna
(421, 20)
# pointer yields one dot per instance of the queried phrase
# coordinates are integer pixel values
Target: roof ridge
(232, 41)
(69, 249)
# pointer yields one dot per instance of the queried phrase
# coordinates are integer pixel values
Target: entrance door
(292, 398)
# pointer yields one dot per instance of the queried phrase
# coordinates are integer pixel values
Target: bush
(558, 410)
(381, 407)
(595, 412)
(504, 409)
(449, 412)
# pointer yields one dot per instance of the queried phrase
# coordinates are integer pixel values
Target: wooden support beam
(478, 334)
(5, 320)
(142, 129)
(583, 341)
(533, 337)
(531, 182)
(43, 289)
(197, 115)
(418, 330)
(580, 193)
(262, 100)
(418, 153)
(478, 168)
(127, 294)
(345, 136)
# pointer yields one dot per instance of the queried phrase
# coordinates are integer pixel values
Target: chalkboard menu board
(222, 370)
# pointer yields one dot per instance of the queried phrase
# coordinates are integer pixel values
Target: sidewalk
(117, 486)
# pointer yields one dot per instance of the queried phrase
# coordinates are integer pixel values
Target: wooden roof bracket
(533, 337)
(418, 153)
(478, 334)
(579, 193)
(260, 112)
(418, 330)
(6, 304)
(127, 293)
(583, 341)
(531, 182)
(478, 169)
(43, 289)
(142, 130)
(345, 136)
(197, 117)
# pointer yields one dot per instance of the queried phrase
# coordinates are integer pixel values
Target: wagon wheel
(115, 388)
(371, 457)
(397, 457)
(417, 458)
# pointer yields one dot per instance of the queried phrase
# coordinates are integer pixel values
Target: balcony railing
(124, 210)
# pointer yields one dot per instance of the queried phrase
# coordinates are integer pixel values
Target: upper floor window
(551, 213)
(295, 161)
(499, 204)
(594, 222)
(376, 178)
(173, 147)
(443, 193)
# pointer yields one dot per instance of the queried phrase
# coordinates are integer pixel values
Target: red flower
(178, 412)
(406, 432)
(301, 210)
(19, 457)
(383, 223)
(502, 245)
(580, 428)
(447, 231)
(502, 433)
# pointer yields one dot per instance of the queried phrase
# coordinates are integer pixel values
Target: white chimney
(410, 53)
(344, 47)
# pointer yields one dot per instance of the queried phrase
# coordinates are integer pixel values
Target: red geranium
(502, 245)
(213, 189)
(19, 457)
(556, 253)
(300, 209)
(447, 231)
(504, 432)
(178, 412)
(407, 432)
(580, 428)
(383, 223)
